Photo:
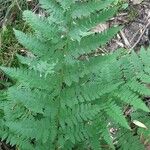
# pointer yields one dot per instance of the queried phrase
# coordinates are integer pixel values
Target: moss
(12, 18)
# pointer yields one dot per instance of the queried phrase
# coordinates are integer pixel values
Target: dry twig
(144, 30)
(126, 42)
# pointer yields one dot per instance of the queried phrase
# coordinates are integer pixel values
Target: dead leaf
(139, 124)
(135, 2)
(101, 27)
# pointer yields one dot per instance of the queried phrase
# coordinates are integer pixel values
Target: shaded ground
(4, 146)
(136, 30)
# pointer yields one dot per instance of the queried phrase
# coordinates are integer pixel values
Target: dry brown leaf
(137, 1)
(139, 124)
(100, 28)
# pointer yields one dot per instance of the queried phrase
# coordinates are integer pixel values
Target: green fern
(128, 141)
(60, 101)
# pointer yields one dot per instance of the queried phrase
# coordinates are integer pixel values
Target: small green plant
(11, 16)
(62, 99)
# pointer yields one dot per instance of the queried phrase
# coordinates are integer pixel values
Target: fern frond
(78, 113)
(87, 67)
(20, 141)
(116, 114)
(33, 44)
(86, 93)
(30, 130)
(128, 141)
(66, 3)
(88, 7)
(143, 55)
(107, 137)
(136, 62)
(129, 97)
(28, 78)
(141, 88)
(42, 27)
(39, 66)
(83, 26)
(52, 7)
(61, 96)
(29, 98)
(91, 43)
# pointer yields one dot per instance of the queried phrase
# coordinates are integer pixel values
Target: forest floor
(135, 33)
(135, 19)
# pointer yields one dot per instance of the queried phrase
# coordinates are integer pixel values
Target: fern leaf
(115, 112)
(86, 93)
(107, 137)
(27, 78)
(139, 87)
(88, 7)
(30, 128)
(92, 42)
(131, 98)
(43, 27)
(95, 144)
(29, 98)
(52, 7)
(41, 66)
(136, 62)
(65, 4)
(83, 26)
(33, 44)
(130, 142)
(63, 92)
